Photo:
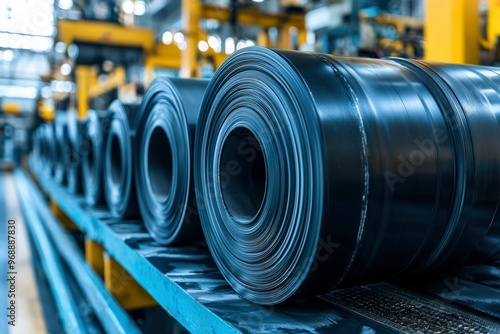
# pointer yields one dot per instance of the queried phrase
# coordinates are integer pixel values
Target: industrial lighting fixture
(258, 0)
(60, 47)
(182, 45)
(229, 45)
(8, 55)
(65, 69)
(18, 92)
(214, 43)
(128, 7)
(65, 4)
(46, 92)
(167, 38)
(178, 37)
(203, 46)
(139, 8)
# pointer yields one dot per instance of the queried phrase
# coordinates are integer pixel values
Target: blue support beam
(110, 314)
(68, 310)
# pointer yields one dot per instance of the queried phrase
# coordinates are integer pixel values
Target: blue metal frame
(186, 282)
(110, 314)
(68, 310)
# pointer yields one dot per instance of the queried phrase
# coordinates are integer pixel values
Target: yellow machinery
(452, 30)
(193, 11)
(167, 56)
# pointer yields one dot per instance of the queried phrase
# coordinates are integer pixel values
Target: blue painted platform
(186, 282)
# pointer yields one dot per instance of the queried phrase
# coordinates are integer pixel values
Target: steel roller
(316, 172)
(94, 136)
(165, 133)
(120, 153)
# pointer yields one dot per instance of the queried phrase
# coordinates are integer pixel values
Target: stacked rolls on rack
(316, 172)
(119, 155)
(76, 151)
(61, 147)
(166, 126)
(94, 136)
(308, 172)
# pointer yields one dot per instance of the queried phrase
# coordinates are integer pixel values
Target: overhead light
(60, 47)
(203, 46)
(178, 37)
(139, 8)
(258, 0)
(18, 92)
(240, 45)
(249, 42)
(8, 55)
(182, 45)
(214, 43)
(128, 7)
(46, 92)
(229, 45)
(167, 38)
(65, 69)
(65, 4)
(73, 51)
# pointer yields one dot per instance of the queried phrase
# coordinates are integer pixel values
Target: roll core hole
(160, 164)
(242, 174)
(116, 160)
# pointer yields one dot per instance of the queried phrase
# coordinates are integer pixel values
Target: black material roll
(120, 153)
(77, 149)
(473, 95)
(165, 133)
(61, 146)
(48, 148)
(94, 137)
(315, 172)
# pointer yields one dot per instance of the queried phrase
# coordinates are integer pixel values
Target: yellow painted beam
(452, 31)
(104, 33)
(253, 16)
(83, 74)
(62, 217)
(113, 81)
(191, 15)
(123, 287)
(94, 254)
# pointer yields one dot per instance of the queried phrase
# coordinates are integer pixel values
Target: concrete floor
(29, 315)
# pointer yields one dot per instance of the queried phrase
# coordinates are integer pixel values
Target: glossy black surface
(373, 169)
(94, 136)
(165, 132)
(119, 156)
(177, 275)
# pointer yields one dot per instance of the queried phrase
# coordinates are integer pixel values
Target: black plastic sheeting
(77, 149)
(165, 134)
(44, 149)
(94, 136)
(120, 153)
(61, 147)
(316, 172)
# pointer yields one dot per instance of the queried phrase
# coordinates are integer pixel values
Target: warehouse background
(109, 262)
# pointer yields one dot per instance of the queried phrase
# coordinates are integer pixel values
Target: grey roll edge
(119, 156)
(166, 125)
(316, 172)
